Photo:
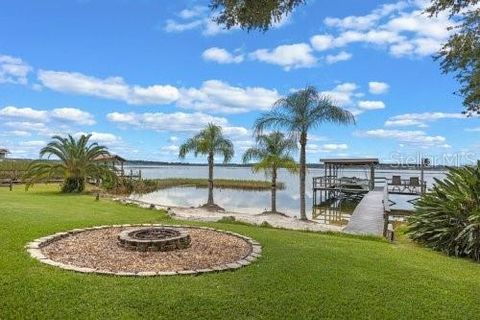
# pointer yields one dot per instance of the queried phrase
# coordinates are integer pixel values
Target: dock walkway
(367, 218)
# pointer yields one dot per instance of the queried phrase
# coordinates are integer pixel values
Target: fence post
(390, 233)
(385, 224)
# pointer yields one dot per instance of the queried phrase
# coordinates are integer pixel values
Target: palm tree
(76, 162)
(210, 142)
(273, 152)
(300, 112)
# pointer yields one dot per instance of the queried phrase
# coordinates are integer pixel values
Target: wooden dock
(368, 216)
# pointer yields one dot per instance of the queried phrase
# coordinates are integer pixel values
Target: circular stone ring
(174, 235)
(154, 239)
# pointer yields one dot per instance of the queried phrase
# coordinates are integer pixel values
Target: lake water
(255, 201)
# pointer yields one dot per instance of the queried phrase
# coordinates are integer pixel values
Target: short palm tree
(272, 153)
(300, 112)
(210, 142)
(75, 163)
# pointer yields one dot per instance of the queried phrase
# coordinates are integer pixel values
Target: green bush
(447, 218)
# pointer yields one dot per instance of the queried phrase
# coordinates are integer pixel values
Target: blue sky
(143, 76)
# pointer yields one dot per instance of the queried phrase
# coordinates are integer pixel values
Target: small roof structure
(3, 150)
(351, 162)
(110, 157)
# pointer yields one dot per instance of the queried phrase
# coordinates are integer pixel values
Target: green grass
(218, 183)
(300, 276)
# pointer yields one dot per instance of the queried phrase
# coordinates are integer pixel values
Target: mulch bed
(99, 249)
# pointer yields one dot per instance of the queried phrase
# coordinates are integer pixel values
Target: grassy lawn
(300, 276)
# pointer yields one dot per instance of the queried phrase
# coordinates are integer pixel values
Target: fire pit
(154, 239)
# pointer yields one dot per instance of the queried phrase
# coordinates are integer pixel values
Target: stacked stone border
(34, 248)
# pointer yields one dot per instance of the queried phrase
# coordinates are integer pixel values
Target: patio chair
(396, 183)
(413, 184)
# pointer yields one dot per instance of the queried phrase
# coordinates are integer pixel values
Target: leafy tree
(210, 142)
(461, 54)
(447, 219)
(273, 152)
(252, 14)
(76, 162)
(299, 113)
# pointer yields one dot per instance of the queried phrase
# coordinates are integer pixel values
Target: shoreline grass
(238, 184)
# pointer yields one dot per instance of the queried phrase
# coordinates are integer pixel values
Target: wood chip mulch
(98, 249)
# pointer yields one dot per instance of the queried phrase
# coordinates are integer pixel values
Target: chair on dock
(413, 184)
(397, 183)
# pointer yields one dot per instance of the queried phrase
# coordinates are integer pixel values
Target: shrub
(447, 219)
(73, 184)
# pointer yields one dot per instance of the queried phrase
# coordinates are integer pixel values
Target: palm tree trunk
(274, 190)
(210, 179)
(303, 144)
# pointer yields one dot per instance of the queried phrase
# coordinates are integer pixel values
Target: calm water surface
(255, 201)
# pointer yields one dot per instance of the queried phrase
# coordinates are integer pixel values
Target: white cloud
(371, 105)
(29, 127)
(341, 56)
(292, 56)
(420, 119)
(416, 137)
(194, 12)
(201, 18)
(16, 133)
(212, 95)
(198, 17)
(376, 87)
(221, 56)
(176, 122)
(27, 121)
(110, 88)
(170, 149)
(33, 143)
(343, 93)
(402, 28)
(175, 26)
(13, 70)
(24, 113)
(322, 42)
(219, 96)
(100, 137)
(368, 21)
(326, 148)
(73, 115)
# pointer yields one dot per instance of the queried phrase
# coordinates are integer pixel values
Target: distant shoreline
(147, 163)
(381, 166)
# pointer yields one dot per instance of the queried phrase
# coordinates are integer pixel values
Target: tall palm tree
(273, 152)
(75, 163)
(300, 112)
(210, 142)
